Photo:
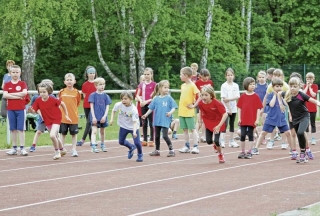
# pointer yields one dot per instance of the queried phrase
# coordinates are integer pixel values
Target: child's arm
(20, 94)
(135, 127)
(94, 119)
(216, 129)
(8, 95)
(168, 114)
(111, 118)
(239, 116)
(313, 94)
(63, 105)
(146, 114)
(104, 117)
(258, 118)
(196, 103)
(314, 101)
(273, 100)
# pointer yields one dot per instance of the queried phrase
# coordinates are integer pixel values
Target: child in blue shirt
(276, 116)
(163, 106)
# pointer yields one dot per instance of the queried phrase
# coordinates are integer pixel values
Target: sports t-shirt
(72, 99)
(311, 106)
(275, 116)
(87, 88)
(200, 83)
(261, 90)
(50, 110)
(126, 115)
(187, 96)
(297, 106)
(146, 89)
(100, 102)
(138, 103)
(15, 104)
(212, 114)
(249, 104)
(230, 91)
(161, 106)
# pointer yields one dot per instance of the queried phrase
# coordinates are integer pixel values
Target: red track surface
(188, 184)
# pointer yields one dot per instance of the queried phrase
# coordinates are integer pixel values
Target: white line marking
(144, 183)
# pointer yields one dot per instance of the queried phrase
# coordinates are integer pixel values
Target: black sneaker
(155, 153)
(241, 155)
(248, 155)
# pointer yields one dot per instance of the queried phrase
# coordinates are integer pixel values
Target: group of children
(155, 107)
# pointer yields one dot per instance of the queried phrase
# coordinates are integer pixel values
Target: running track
(110, 184)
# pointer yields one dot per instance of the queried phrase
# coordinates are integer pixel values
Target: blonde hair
(277, 72)
(15, 66)
(186, 71)
(158, 87)
(70, 75)
(310, 75)
(98, 80)
(141, 78)
(194, 65)
(261, 73)
(210, 90)
(10, 62)
(292, 81)
(150, 70)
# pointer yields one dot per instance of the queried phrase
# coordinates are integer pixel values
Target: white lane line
(223, 193)
(138, 184)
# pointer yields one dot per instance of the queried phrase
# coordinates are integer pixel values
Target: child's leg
(36, 137)
(166, 138)
(145, 123)
(122, 138)
(14, 138)
(313, 127)
(300, 130)
(150, 119)
(87, 130)
(243, 138)
(157, 136)
(260, 138)
(74, 141)
(289, 138)
(186, 136)
(102, 135)
(137, 143)
(54, 129)
(251, 138)
(94, 134)
(231, 125)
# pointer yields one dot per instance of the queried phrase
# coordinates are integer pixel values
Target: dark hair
(270, 71)
(205, 72)
(247, 81)
(47, 86)
(126, 93)
(85, 75)
(277, 81)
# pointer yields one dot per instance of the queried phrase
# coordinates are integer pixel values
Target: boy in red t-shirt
(311, 89)
(15, 92)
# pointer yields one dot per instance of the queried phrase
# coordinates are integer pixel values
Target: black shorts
(73, 129)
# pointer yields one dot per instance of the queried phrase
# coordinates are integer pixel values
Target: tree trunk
(144, 38)
(29, 56)
(123, 45)
(183, 57)
(104, 64)
(243, 11)
(207, 34)
(248, 35)
(132, 57)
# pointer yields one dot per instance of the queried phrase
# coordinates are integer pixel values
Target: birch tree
(248, 35)
(207, 34)
(183, 56)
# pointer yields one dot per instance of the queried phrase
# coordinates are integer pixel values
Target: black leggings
(87, 130)
(246, 131)
(209, 135)
(149, 119)
(312, 122)
(300, 128)
(231, 118)
(165, 137)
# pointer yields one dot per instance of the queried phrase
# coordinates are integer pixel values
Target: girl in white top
(229, 95)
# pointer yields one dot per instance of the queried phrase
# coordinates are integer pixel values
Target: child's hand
(282, 108)
(143, 116)
(134, 134)
(239, 122)
(94, 121)
(142, 103)
(190, 106)
(168, 114)
(103, 119)
(67, 117)
(256, 123)
(216, 129)
(226, 100)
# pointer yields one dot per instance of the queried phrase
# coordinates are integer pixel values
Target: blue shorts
(17, 119)
(269, 128)
(100, 125)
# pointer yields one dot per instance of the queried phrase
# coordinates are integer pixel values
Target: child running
(213, 114)
(15, 91)
(299, 114)
(163, 106)
(145, 90)
(88, 87)
(249, 106)
(128, 120)
(311, 89)
(229, 95)
(276, 116)
(48, 108)
(41, 127)
(99, 108)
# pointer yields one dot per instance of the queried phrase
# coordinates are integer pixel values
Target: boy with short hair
(72, 98)
(311, 89)
(99, 108)
(186, 110)
(15, 92)
(195, 74)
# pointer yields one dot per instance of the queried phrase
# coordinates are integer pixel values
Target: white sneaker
(57, 155)
(284, 146)
(184, 149)
(233, 144)
(74, 153)
(313, 141)
(277, 137)
(195, 150)
(12, 152)
(23, 152)
(222, 144)
(63, 152)
(270, 145)
(202, 139)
